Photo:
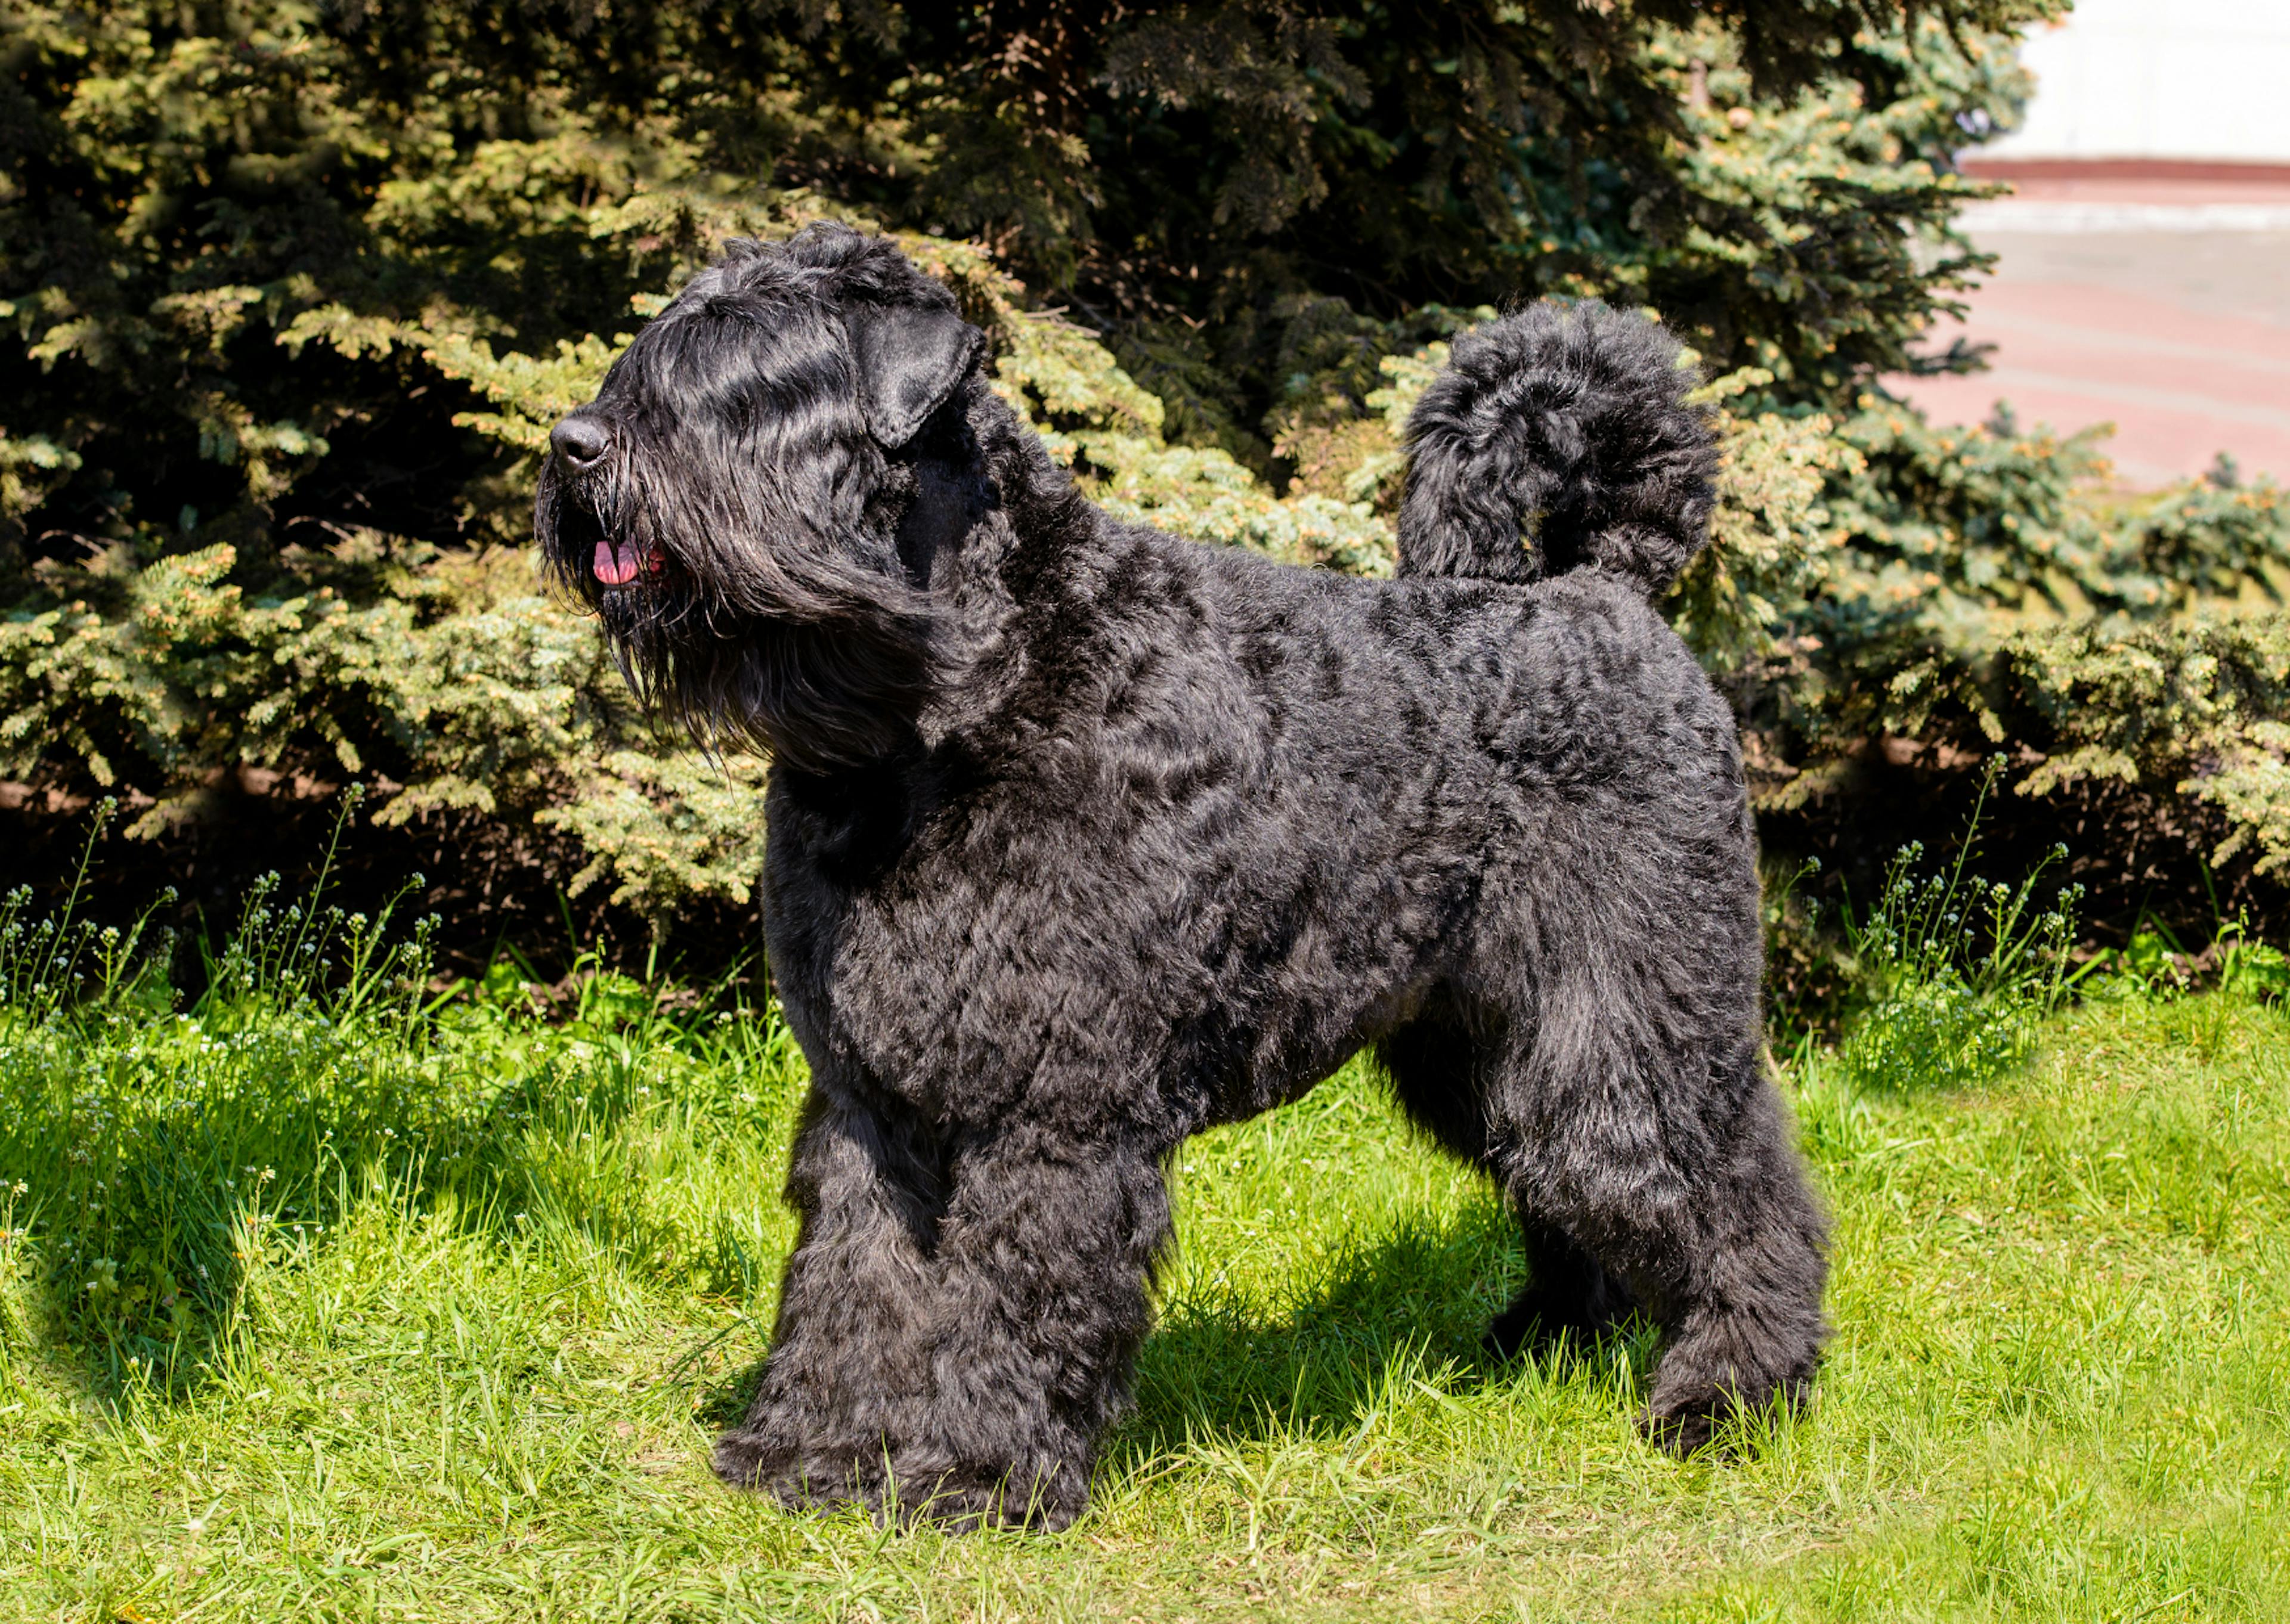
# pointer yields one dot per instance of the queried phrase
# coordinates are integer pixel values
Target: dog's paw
(1684, 1431)
(1720, 1420)
(889, 1488)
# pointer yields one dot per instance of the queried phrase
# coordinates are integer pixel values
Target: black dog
(1084, 838)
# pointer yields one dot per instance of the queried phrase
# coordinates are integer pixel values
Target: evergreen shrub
(291, 294)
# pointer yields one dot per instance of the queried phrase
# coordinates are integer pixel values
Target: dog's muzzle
(581, 443)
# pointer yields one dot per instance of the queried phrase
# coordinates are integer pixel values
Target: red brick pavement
(2179, 335)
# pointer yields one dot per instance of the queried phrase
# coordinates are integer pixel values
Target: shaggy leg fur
(850, 1354)
(955, 1359)
(1436, 1072)
(1639, 1139)
(1046, 1253)
(1741, 1280)
(1718, 1236)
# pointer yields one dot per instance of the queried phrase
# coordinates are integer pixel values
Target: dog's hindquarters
(1645, 1152)
(1597, 1049)
(1593, 1039)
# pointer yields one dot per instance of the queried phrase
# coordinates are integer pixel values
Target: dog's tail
(1559, 439)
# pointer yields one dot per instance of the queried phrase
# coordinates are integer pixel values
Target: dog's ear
(909, 360)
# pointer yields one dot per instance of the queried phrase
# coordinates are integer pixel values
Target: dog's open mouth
(616, 563)
(582, 538)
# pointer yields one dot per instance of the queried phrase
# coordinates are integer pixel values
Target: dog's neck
(989, 520)
(981, 483)
(945, 505)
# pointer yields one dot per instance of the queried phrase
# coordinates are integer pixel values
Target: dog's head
(729, 500)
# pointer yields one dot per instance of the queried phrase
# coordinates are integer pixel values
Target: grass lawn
(312, 1312)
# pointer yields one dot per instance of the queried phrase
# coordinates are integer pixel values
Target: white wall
(2159, 79)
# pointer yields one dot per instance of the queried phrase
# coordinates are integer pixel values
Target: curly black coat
(1084, 837)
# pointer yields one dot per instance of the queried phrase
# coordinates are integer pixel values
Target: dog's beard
(819, 655)
(815, 695)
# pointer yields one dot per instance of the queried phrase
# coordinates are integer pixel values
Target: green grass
(316, 1312)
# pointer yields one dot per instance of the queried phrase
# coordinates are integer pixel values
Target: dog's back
(1425, 792)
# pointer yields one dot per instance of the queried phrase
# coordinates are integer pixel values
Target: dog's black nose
(581, 441)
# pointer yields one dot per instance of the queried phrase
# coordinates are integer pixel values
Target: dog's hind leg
(1568, 1294)
(1669, 1161)
(1743, 1280)
(1440, 1071)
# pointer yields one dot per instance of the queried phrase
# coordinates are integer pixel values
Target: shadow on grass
(1409, 1305)
(724, 1403)
(157, 1184)
(153, 1214)
(178, 1118)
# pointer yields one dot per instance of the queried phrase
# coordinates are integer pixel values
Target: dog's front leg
(956, 1328)
(1046, 1250)
(850, 1367)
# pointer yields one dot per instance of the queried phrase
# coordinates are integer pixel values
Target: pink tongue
(609, 568)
